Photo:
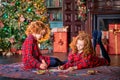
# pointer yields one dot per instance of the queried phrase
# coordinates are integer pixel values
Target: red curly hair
(88, 48)
(37, 27)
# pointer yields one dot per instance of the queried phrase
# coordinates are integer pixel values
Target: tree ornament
(1, 24)
(12, 39)
(17, 3)
(42, 1)
(44, 18)
(12, 3)
(23, 0)
(25, 22)
(23, 37)
(29, 9)
(5, 15)
(37, 12)
(5, 28)
(35, 5)
(41, 12)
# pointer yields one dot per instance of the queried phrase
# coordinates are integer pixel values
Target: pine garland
(82, 14)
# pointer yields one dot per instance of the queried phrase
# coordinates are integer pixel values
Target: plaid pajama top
(81, 62)
(31, 56)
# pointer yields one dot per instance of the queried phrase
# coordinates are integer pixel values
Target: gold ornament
(35, 5)
(41, 12)
(23, 0)
(43, 1)
(44, 19)
(37, 12)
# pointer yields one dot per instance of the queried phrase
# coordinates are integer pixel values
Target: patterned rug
(98, 73)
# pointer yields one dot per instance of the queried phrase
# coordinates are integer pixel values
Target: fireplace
(101, 22)
(110, 33)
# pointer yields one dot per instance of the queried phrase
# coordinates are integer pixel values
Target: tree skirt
(98, 73)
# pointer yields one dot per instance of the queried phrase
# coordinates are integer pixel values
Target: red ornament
(1, 24)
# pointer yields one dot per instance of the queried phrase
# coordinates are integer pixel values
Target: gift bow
(60, 42)
(115, 30)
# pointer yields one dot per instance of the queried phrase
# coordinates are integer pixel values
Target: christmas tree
(15, 15)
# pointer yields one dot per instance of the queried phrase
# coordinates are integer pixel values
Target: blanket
(100, 73)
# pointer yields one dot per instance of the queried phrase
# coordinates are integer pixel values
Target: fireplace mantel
(101, 22)
(101, 10)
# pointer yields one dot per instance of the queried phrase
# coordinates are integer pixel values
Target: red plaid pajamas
(31, 56)
(81, 62)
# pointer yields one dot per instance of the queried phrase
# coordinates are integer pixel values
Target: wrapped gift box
(60, 42)
(114, 37)
(60, 39)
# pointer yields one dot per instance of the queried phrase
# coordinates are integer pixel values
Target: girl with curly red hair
(83, 54)
(32, 58)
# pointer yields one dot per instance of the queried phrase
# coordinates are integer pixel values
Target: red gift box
(60, 42)
(114, 37)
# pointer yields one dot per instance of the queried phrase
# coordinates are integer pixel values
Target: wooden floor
(115, 59)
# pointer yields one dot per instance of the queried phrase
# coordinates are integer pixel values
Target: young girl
(83, 55)
(31, 56)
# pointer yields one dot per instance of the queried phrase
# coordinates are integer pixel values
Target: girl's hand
(43, 66)
(72, 68)
(60, 67)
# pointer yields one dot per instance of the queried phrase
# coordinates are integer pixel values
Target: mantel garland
(82, 11)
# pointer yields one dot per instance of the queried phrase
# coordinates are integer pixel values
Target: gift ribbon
(61, 42)
(115, 32)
